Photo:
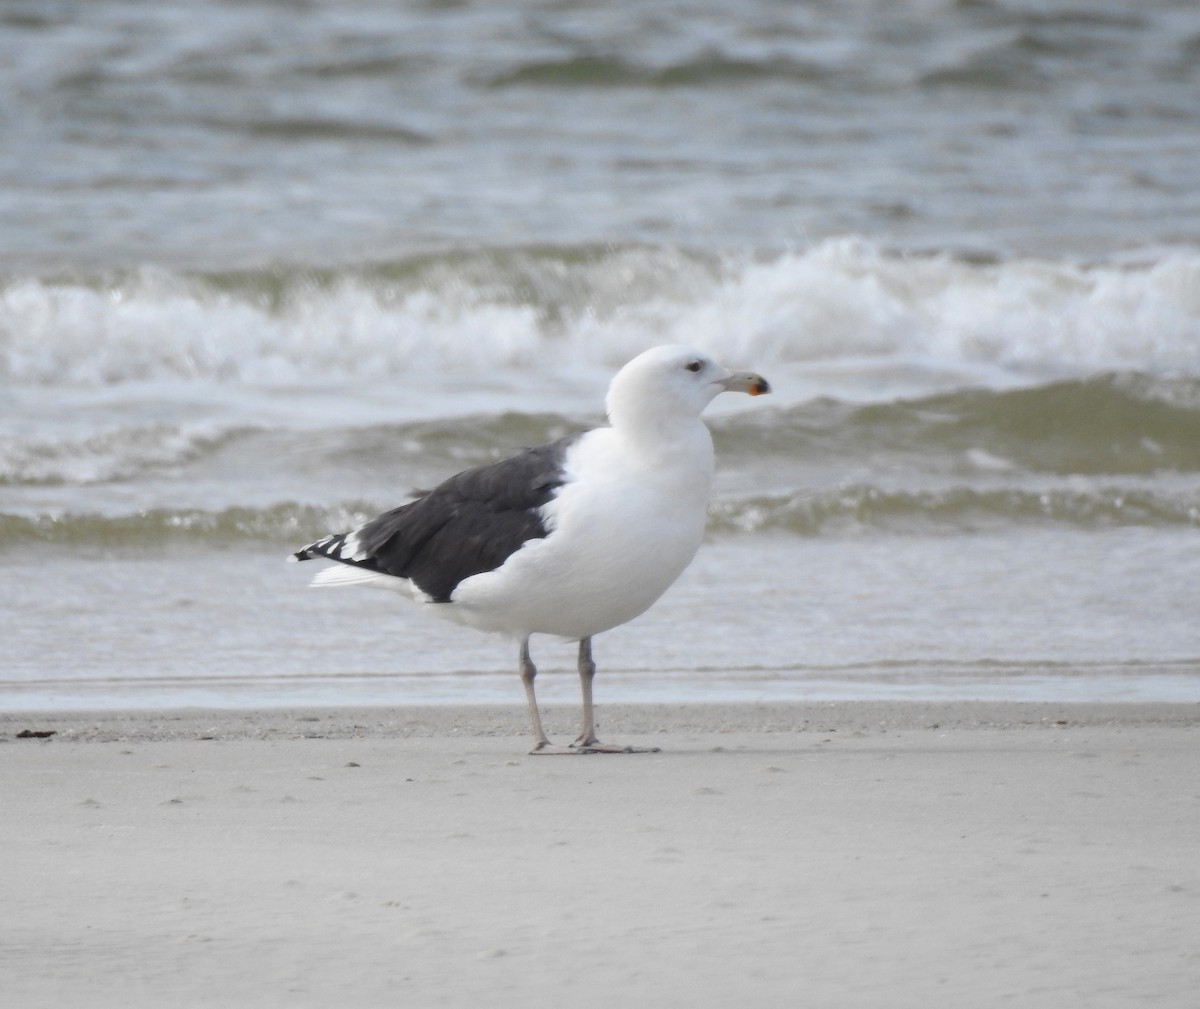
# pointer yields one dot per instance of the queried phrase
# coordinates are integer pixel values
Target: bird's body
(619, 532)
(569, 539)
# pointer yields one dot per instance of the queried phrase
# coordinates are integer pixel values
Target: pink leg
(587, 741)
(541, 745)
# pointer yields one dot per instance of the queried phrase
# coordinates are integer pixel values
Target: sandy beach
(864, 854)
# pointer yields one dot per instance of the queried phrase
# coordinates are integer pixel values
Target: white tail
(344, 574)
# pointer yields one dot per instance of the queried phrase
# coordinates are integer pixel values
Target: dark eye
(694, 366)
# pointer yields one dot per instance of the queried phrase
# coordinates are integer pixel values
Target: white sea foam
(848, 299)
(838, 301)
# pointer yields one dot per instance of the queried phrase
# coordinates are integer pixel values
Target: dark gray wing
(471, 523)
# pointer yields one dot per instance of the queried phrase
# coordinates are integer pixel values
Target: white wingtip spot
(352, 548)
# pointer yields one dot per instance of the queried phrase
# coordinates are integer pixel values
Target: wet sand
(869, 854)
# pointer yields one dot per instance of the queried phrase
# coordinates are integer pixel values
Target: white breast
(623, 528)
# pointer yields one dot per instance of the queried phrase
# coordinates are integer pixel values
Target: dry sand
(882, 855)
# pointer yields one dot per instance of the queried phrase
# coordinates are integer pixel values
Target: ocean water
(265, 267)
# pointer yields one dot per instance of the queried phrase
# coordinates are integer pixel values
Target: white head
(673, 382)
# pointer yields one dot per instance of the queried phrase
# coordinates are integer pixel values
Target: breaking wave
(517, 308)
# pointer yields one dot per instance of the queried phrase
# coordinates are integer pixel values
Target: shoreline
(642, 720)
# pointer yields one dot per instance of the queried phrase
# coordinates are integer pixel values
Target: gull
(568, 539)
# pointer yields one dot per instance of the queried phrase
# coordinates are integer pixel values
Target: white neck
(669, 446)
